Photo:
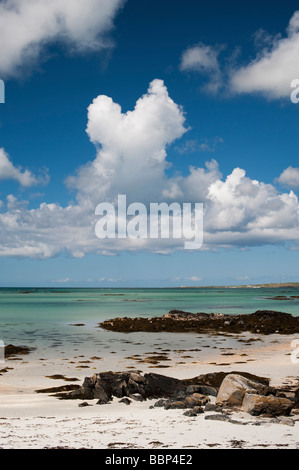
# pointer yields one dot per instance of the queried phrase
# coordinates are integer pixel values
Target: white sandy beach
(31, 420)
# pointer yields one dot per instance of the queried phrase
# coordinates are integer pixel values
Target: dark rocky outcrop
(237, 390)
(261, 321)
(106, 385)
(11, 350)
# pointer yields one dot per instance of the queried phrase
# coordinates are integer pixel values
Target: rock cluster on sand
(262, 321)
(233, 391)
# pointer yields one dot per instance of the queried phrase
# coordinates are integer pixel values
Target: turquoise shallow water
(62, 305)
(45, 316)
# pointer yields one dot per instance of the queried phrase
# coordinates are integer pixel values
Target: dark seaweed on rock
(261, 321)
(12, 350)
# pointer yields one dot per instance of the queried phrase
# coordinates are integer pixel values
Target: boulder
(175, 405)
(266, 405)
(190, 413)
(234, 387)
(136, 397)
(126, 401)
(157, 385)
(215, 379)
(196, 399)
(160, 403)
(198, 409)
(213, 407)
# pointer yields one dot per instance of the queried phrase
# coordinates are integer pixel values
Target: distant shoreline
(272, 285)
(246, 286)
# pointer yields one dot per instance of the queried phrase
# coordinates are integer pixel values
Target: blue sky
(217, 79)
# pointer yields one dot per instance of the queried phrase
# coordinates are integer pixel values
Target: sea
(49, 318)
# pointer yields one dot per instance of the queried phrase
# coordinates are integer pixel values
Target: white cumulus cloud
(289, 177)
(131, 159)
(274, 68)
(27, 26)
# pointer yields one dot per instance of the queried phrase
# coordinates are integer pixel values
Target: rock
(266, 405)
(190, 413)
(198, 409)
(171, 392)
(215, 379)
(160, 403)
(203, 389)
(224, 417)
(180, 395)
(60, 392)
(157, 385)
(206, 390)
(213, 407)
(196, 400)
(193, 389)
(126, 401)
(137, 397)
(180, 405)
(234, 387)
(83, 404)
(263, 321)
(287, 421)
(12, 350)
(218, 417)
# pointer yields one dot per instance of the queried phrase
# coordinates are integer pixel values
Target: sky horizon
(181, 102)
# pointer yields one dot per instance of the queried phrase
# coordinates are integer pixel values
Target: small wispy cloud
(194, 146)
(109, 279)
(62, 281)
(203, 59)
(193, 279)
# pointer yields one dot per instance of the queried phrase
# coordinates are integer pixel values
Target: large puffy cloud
(131, 159)
(132, 154)
(27, 26)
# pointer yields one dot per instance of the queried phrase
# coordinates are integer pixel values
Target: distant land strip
(247, 286)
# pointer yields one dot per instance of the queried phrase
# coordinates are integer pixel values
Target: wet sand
(36, 420)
